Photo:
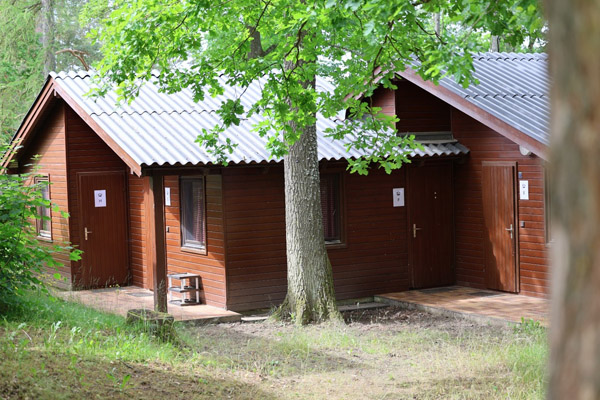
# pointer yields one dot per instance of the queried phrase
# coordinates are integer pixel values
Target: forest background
(40, 36)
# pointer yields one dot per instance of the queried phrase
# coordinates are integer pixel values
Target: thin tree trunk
(575, 170)
(47, 29)
(495, 45)
(437, 22)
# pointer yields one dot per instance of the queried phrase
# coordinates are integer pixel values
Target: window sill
(335, 245)
(44, 238)
(194, 250)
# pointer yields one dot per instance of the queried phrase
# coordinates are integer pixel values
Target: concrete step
(361, 306)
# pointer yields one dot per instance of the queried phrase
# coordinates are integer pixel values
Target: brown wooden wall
(255, 226)
(384, 99)
(49, 144)
(486, 144)
(139, 212)
(85, 152)
(373, 259)
(419, 111)
(210, 264)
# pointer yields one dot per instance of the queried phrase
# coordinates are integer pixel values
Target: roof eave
(49, 93)
(42, 102)
(479, 114)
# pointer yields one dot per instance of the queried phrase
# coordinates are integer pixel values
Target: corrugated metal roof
(513, 87)
(160, 129)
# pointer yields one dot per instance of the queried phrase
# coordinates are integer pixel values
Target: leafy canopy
(356, 45)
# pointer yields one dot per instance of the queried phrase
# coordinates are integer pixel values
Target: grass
(55, 349)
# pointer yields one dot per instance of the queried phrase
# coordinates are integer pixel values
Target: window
(43, 225)
(330, 207)
(193, 213)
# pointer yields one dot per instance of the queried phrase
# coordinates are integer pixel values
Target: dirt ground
(387, 353)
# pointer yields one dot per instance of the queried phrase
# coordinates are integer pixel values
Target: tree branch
(435, 33)
(77, 54)
(256, 49)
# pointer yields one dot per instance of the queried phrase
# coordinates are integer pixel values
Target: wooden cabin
(469, 210)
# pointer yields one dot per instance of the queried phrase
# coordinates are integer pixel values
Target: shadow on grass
(281, 353)
(41, 374)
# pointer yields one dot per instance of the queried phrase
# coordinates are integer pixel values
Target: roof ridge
(496, 56)
(162, 112)
(71, 74)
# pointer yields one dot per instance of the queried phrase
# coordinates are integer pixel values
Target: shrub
(22, 256)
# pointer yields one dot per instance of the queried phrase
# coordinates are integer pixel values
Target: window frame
(340, 241)
(192, 245)
(42, 211)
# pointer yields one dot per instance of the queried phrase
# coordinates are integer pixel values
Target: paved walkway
(120, 300)
(473, 303)
(483, 305)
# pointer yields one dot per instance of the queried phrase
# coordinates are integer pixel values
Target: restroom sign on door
(99, 198)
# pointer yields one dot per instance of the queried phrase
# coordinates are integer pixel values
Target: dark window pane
(192, 212)
(45, 211)
(44, 223)
(330, 193)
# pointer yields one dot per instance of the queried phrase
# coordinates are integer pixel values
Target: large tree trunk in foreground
(310, 296)
(575, 163)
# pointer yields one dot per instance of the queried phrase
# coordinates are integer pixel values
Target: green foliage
(22, 256)
(78, 330)
(355, 44)
(20, 64)
(523, 31)
(71, 33)
(22, 54)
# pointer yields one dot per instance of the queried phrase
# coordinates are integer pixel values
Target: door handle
(510, 230)
(85, 231)
(415, 229)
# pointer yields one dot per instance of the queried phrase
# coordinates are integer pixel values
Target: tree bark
(575, 171)
(47, 29)
(495, 43)
(437, 23)
(310, 296)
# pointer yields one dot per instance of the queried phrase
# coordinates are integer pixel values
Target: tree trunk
(47, 30)
(437, 23)
(495, 43)
(310, 296)
(575, 170)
